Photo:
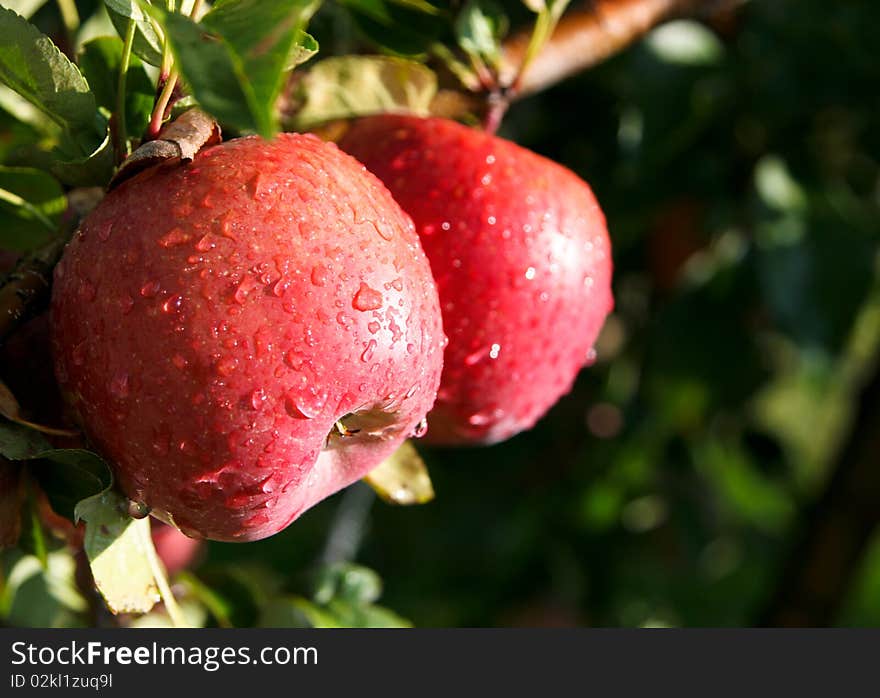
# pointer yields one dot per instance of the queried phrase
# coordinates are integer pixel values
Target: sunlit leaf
(119, 549)
(349, 86)
(36, 69)
(402, 478)
(147, 44)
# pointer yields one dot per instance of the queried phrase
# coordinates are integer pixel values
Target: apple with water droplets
(520, 252)
(247, 333)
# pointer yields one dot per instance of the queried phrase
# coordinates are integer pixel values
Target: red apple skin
(212, 321)
(522, 260)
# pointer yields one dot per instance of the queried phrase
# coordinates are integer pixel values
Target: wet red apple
(245, 334)
(520, 252)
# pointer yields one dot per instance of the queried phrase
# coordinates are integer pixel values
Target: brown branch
(584, 37)
(836, 530)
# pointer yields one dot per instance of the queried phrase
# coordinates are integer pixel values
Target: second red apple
(519, 249)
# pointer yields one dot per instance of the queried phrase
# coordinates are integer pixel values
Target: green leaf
(349, 86)
(260, 37)
(100, 61)
(33, 537)
(33, 66)
(147, 43)
(94, 169)
(479, 28)
(402, 478)
(68, 476)
(23, 223)
(347, 581)
(304, 48)
(37, 596)
(235, 60)
(402, 27)
(119, 549)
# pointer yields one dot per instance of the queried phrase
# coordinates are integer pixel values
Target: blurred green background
(738, 163)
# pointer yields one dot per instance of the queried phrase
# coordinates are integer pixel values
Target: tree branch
(586, 36)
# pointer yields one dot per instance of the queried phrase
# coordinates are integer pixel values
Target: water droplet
(150, 289)
(480, 419)
(119, 385)
(374, 327)
(410, 348)
(138, 510)
(368, 352)
(420, 429)
(412, 391)
(494, 351)
(126, 302)
(591, 356)
(104, 231)
(307, 404)
(367, 298)
(530, 273)
(226, 365)
(397, 284)
(343, 320)
(475, 356)
(490, 159)
(179, 361)
(174, 237)
(319, 275)
(491, 220)
(258, 398)
(87, 291)
(78, 355)
(446, 225)
(205, 243)
(172, 304)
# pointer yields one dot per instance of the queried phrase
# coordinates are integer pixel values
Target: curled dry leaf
(402, 478)
(179, 140)
(10, 409)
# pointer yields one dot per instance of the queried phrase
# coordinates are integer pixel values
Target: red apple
(212, 323)
(521, 256)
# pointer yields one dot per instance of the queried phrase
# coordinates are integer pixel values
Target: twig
(347, 529)
(584, 37)
(836, 529)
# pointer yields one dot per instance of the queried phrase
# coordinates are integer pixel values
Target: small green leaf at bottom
(119, 549)
(402, 478)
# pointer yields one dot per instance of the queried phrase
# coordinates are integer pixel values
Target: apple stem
(158, 115)
(496, 107)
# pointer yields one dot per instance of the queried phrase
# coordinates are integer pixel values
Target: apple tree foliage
(738, 162)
